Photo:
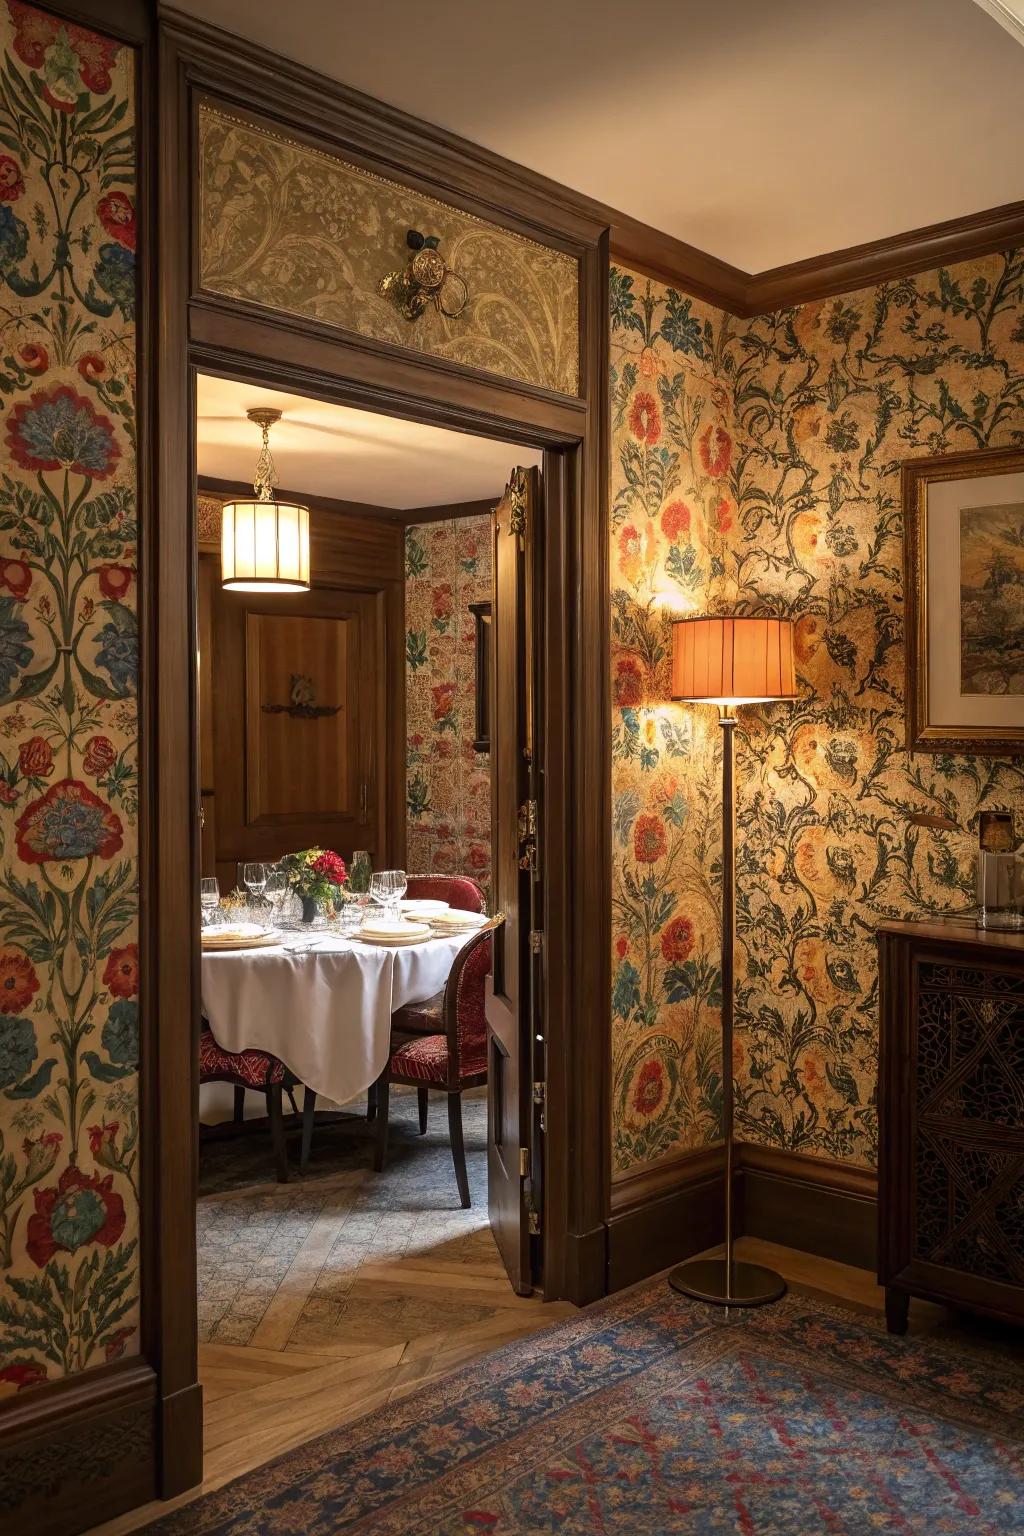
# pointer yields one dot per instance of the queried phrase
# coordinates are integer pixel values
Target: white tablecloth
(326, 1013)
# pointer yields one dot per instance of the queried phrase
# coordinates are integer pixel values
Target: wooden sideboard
(951, 1118)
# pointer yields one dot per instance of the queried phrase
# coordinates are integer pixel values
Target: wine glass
(399, 886)
(209, 896)
(379, 887)
(275, 891)
(254, 877)
(359, 871)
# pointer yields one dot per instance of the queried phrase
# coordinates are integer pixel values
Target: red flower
(479, 856)
(68, 822)
(675, 520)
(59, 429)
(8, 793)
(443, 603)
(115, 1344)
(649, 1089)
(629, 682)
(677, 940)
(34, 359)
(115, 581)
(621, 946)
(723, 516)
(16, 577)
(18, 981)
(91, 366)
(99, 755)
(645, 418)
(78, 1210)
(35, 758)
(649, 843)
(36, 32)
(715, 448)
(121, 973)
(12, 183)
(444, 700)
(331, 866)
(23, 1373)
(102, 1135)
(117, 215)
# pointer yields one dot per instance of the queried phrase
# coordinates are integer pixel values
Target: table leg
(380, 1150)
(276, 1117)
(423, 1100)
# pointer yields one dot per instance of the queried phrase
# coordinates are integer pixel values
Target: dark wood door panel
(299, 723)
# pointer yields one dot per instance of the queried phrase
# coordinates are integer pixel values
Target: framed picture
(964, 568)
(482, 639)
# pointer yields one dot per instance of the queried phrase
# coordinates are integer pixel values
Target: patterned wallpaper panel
(297, 230)
(448, 787)
(69, 963)
(756, 465)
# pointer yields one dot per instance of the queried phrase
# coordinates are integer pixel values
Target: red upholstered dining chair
(264, 1073)
(452, 1057)
(462, 892)
(459, 891)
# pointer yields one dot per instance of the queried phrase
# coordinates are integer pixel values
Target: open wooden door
(514, 1151)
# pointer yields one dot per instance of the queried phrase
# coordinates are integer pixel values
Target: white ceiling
(348, 455)
(761, 131)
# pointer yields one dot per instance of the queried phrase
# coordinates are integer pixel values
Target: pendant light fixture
(264, 543)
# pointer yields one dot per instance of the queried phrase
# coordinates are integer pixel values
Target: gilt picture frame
(963, 517)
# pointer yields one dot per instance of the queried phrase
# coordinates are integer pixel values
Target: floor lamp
(728, 662)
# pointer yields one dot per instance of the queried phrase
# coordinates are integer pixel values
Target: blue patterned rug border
(613, 1348)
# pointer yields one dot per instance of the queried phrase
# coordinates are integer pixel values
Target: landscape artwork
(992, 599)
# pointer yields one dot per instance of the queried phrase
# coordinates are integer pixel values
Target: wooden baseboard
(821, 1207)
(664, 1214)
(668, 1211)
(585, 1267)
(79, 1453)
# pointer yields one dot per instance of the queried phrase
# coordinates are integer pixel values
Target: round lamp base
(708, 1280)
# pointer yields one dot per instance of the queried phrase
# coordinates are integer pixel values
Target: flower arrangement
(316, 875)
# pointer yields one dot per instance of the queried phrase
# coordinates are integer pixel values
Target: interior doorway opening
(390, 716)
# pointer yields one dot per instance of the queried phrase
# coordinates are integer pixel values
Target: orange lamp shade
(733, 661)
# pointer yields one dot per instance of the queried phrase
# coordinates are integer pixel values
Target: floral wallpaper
(755, 467)
(448, 785)
(69, 964)
(294, 229)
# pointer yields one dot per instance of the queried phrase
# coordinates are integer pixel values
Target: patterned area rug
(251, 1231)
(650, 1414)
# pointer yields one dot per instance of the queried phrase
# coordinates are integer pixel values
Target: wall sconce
(426, 280)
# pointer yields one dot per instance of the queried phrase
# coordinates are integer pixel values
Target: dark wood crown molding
(524, 200)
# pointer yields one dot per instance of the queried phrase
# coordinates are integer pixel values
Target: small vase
(310, 909)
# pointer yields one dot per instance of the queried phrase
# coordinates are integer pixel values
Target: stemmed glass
(209, 897)
(275, 890)
(254, 877)
(380, 887)
(399, 886)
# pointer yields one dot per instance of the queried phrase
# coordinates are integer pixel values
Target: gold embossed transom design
(296, 230)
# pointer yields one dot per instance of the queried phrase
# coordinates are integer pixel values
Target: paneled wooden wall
(272, 780)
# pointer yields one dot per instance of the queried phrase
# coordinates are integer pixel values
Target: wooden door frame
(200, 331)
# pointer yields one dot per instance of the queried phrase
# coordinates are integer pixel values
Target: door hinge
(524, 1162)
(527, 820)
(536, 940)
(533, 1222)
(539, 1093)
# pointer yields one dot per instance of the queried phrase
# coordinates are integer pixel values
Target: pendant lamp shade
(733, 660)
(265, 547)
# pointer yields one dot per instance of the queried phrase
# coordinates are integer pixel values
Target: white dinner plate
(455, 919)
(238, 936)
(424, 907)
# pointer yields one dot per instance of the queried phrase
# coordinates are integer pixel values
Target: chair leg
(308, 1111)
(380, 1150)
(423, 1100)
(275, 1114)
(290, 1091)
(239, 1104)
(371, 1102)
(458, 1146)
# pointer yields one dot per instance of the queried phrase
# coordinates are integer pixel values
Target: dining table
(322, 1004)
